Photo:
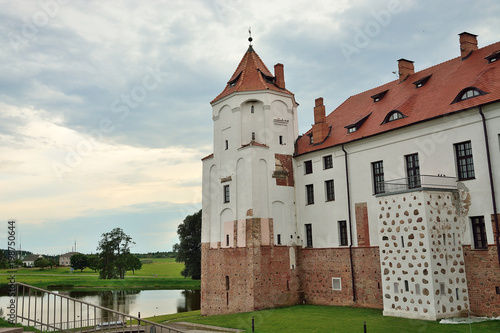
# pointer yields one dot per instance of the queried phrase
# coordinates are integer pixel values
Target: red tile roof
(250, 76)
(433, 99)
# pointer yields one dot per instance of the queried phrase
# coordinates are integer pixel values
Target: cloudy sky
(104, 105)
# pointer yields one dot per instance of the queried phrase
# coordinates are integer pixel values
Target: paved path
(199, 328)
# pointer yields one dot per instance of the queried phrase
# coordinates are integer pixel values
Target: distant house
(65, 259)
(29, 260)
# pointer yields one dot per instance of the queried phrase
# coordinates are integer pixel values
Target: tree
(94, 262)
(79, 261)
(188, 250)
(132, 263)
(113, 249)
(41, 262)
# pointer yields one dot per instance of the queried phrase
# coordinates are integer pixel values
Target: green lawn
(317, 318)
(162, 273)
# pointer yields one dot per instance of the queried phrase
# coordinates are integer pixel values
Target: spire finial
(250, 35)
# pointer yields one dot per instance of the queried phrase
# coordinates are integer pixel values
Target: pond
(148, 303)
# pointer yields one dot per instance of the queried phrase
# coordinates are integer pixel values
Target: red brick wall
(318, 266)
(284, 165)
(259, 276)
(483, 276)
(258, 279)
(362, 227)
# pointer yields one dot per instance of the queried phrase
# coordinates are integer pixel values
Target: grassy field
(317, 318)
(155, 274)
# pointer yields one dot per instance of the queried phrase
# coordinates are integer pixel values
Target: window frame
(343, 235)
(478, 233)
(309, 238)
(308, 167)
(462, 95)
(226, 194)
(329, 190)
(389, 117)
(327, 162)
(378, 177)
(413, 171)
(464, 160)
(309, 194)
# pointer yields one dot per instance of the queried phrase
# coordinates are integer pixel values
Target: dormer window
(493, 57)
(379, 96)
(267, 78)
(468, 93)
(351, 128)
(422, 81)
(392, 116)
(311, 141)
(232, 83)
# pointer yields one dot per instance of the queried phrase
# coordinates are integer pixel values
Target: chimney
(468, 44)
(405, 69)
(320, 128)
(279, 74)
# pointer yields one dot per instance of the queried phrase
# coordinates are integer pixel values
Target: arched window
(393, 115)
(467, 93)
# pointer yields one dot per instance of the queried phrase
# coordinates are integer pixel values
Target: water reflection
(146, 302)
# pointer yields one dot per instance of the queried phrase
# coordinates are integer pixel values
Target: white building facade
(392, 200)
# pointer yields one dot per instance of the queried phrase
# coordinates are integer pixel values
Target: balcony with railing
(418, 182)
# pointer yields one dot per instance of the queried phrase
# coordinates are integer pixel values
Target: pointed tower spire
(253, 75)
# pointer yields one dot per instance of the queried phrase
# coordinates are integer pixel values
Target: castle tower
(248, 228)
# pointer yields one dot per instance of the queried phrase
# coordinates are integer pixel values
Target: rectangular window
(336, 283)
(279, 239)
(327, 162)
(309, 235)
(378, 177)
(465, 163)
(308, 167)
(310, 194)
(329, 190)
(226, 193)
(227, 240)
(342, 233)
(281, 139)
(253, 136)
(412, 171)
(479, 232)
(227, 144)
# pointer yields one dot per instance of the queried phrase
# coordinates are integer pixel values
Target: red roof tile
(418, 104)
(250, 76)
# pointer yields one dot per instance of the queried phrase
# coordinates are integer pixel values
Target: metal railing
(49, 311)
(419, 182)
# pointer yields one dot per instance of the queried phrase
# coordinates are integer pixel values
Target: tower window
(281, 139)
(252, 109)
(253, 136)
(227, 144)
(227, 240)
(226, 193)
(278, 239)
